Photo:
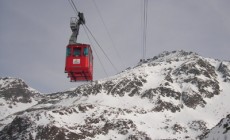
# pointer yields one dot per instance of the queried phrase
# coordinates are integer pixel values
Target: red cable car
(79, 57)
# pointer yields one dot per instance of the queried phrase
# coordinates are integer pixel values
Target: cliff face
(176, 94)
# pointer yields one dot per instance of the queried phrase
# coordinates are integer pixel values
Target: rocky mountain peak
(16, 95)
(16, 90)
(173, 56)
(184, 77)
(10, 82)
(224, 68)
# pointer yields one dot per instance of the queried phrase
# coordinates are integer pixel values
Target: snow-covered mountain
(16, 96)
(175, 95)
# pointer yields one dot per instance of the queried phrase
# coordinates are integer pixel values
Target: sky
(34, 35)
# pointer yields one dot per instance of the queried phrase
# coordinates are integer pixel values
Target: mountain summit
(175, 95)
(16, 95)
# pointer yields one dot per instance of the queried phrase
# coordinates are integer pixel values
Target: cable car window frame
(68, 51)
(86, 51)
(77, 51)
(90, 56)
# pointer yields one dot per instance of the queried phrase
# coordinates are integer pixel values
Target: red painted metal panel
(79, 62)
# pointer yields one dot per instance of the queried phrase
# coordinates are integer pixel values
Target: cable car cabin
(79, 62)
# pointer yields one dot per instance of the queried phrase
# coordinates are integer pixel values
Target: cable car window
(86, 51)
(68, 51)
(77, 51)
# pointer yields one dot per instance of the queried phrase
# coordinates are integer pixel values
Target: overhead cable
(94, 50)
(76, 11)
(107, 31)
(73, 6)
(145, 27)
(101, 48)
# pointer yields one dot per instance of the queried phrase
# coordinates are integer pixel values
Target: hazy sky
(35, 33)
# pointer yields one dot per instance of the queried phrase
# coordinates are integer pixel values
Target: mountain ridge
(175, 95)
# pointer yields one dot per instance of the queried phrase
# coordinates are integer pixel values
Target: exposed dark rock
(207, 69)
(225, 72)
(169, 78)
(150, 93)
(192, 99)
(162, 105)
(203, 86)
(56, 133)
(139, 136)
(198, 125)
(177, 128)
(161, 91)
(197, 67)
(119, 88)
(19, 128)
(168, 92)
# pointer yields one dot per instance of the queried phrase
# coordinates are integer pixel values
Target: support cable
(76, 11)
(94, 50)
(107, 31)
(101, 48)
(145, 27)
(73, 6)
